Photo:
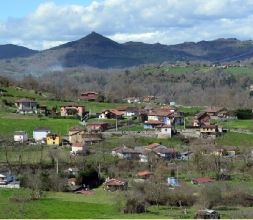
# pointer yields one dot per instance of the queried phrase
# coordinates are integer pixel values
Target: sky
(39, 24)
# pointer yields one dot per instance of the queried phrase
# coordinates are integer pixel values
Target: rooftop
(24, 100)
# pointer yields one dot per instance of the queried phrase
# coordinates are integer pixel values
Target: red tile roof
(116, 112)
(213, 109)
(202, 180)
(144, 173)
(152, 146)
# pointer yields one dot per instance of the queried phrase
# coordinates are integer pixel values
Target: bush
(210, 196)
(238, 198)
(244, 114)
(135, 203)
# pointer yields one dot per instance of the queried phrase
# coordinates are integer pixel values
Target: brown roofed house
(111, 114)
(115, 184)
(89, 96)
(215, 112)
(97, 126)
(200, 119)
(72, 109)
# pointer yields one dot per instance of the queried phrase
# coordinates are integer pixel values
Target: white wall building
(20, 136)
(40, 134)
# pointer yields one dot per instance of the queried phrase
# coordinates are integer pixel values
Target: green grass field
(182, 70)
(245, 141)
(14, 122)
(240, 71)
(100, 205)
(237, 124)
(14, 93)
(190, 110)
(73, 206)
(32, 154)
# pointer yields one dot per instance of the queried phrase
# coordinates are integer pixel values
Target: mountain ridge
(8, 51)
(98, 51)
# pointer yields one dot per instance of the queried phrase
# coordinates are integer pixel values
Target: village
(152, 142)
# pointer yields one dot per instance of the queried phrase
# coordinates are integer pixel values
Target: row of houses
(142, 153)
(28, 106)
(203, 118)
(40, 135)
(162, 119)
(113, 184)
(78, 138)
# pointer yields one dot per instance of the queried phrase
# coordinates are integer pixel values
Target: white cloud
(164, 21)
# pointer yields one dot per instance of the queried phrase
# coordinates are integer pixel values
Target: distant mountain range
(9, 51)
(98, 51)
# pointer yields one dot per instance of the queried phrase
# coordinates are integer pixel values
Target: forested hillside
(190, 85)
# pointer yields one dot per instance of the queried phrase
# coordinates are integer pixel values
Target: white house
(20, 136)
(78, 147)
(5, 179)
(40, 134)
(165, 131)
(102, 115)
(130, 112)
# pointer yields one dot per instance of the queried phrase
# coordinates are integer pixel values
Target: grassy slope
(236, 139)
(13, 122)
(68, 205)
(100, 205)
(238, 124)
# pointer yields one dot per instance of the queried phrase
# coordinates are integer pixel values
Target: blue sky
(41, 24)
(20, 8)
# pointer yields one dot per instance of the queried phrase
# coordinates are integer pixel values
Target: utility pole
(116, 123)
(177, 172)
(57, 166)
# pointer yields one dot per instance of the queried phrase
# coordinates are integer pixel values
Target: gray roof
(20, 133)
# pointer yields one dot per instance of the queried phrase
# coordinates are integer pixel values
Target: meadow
(100, 205)
(9, 123)
(244, 141)
(237, 124)
(55, 205)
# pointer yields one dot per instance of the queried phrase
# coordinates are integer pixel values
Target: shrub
(135, 203)
(244, 114)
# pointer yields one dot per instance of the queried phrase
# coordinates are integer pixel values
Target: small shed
(78, 148)
(202, 180)
(173, 182)
(20, 136)
(144, 174)
(207, 214)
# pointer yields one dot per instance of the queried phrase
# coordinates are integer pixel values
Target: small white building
(40, 134)
(102, 116)
(165, 131)
(20, 136)
(78, 147)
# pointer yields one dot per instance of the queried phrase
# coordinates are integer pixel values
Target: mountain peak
(94, 35)
(96, 38)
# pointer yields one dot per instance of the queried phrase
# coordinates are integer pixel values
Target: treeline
(201, 87)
